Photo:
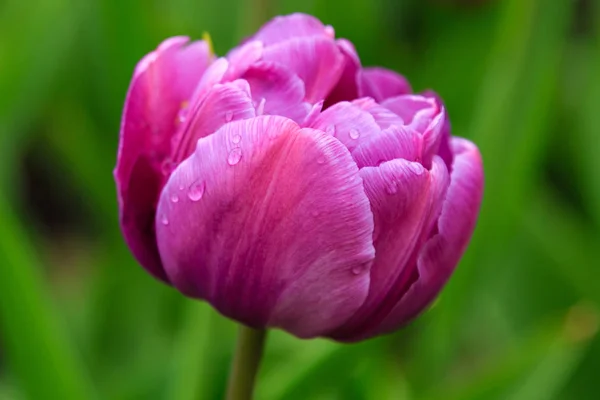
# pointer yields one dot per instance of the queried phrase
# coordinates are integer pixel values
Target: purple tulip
(289, 186)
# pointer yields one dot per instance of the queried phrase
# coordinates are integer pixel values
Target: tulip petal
(162, 81)
(383, 116)
(405, 200)
(291, 26)
(241, 58)
(424, 115)
(381, 83)
(347, 87)
(393, 142)
(444, 150)
(223, 103)
(316, 60)
(270, 224)
(348, 123)
(282, 90)
(441, 253)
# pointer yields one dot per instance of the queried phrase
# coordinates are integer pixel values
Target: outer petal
(162, 81)
(405, 200)
(316, 60)
(381, 83)
(271, 225)
(348, 123)
(291, 26)
(281, 90)
(441, 253)
(223, 103)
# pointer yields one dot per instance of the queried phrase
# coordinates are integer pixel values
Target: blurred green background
(80, 320)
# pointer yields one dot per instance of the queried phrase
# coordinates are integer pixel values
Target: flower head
(291, 187)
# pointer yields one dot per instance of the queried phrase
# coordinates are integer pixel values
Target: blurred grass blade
(38, 351)
(537, 367)
(561, 234)
(192, 369)
(304, 368)
(587, 119)
(514, 110)
(546, 381)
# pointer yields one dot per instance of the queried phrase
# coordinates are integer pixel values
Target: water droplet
(196, 190)
(321, 160)
(181, 186)
(235, 156)
(236, 138)
(164, 220)
(174, 198)
(228, 116)
(354, 133)
(330, 130)
(357, 270)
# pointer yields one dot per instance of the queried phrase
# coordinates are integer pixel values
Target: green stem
(248, 352)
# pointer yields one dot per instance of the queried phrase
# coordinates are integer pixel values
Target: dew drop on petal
(330, 130)
(235, 155)
(236, 138)
(164, 220)
(357, 270)
(174, 198)
(228, 116)
(321, 160)
(354, 133)
(196, 190)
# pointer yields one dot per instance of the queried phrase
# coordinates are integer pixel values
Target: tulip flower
(291, 187)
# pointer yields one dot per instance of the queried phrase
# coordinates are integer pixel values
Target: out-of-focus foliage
(80, 320)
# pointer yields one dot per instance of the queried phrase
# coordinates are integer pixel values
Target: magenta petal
(347, 87)
(441, 253)
(316, 60)
(281, 90)
(415, 110)
(348, 123)
(426, 116)
(163, 80)
(381, 83)
(291, 26)
(223, 103)
(444, 150)
(241, 58)
(270, 223)
(383, 116)
(405, 199)
(312, 115)
(214, 74)
(393, 142)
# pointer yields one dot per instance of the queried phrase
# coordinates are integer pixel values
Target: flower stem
(248, 352)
